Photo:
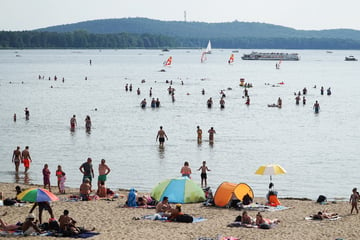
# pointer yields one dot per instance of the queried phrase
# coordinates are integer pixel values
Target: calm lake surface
(319, 151)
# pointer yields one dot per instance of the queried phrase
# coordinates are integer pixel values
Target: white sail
(208, 48)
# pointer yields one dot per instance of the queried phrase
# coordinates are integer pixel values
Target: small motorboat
(350, 58)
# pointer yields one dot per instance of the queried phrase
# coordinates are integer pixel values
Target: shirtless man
(161, 136)
(85, 189)
(211, 135)
(104, 170)
(199, 134)
(16, 158)
(73, 122)
(26, 158)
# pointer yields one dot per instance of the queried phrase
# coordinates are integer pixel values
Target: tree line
(86, 40)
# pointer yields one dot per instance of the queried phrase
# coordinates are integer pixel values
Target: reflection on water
(23, 178)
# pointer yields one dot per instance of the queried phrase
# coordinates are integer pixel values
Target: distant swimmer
(209, 102)
(14, 117)
(173, 97)
(316, 107)
(143, 103)
(322, 90)
(304, 100)
(222, 103)
(126, 87)
(161, 135)
(90, 62)
(130, 87)
(247, 100)
(304, 91)
(27, 113)
(157, 104)
(203, 91)
(73, 123)
(199, 134)
(138, 91)
(297, 99)
(279, 103)
(211, 135)
(153, 103)
(150, 92)
(88, 123)
(328, 91)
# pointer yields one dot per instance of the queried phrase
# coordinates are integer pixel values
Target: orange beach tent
(227, 190)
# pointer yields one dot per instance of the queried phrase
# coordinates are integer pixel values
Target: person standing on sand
(211, 135)
(16, 158)
(46, 176)
(87, 170)
(104, 170)
(73, 122)
(199, 134)
(161, 136)
(26, 158)
(58, 174)
(203, 175)
(354, 198)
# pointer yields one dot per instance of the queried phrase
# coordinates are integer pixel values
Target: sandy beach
(114, 222)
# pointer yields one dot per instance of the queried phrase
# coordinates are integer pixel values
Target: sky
(21, 15)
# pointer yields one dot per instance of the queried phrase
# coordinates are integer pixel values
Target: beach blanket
(264, 208)
(217, 238)
(164, 219)
(86, 235)
(333, 218)
(145, 206)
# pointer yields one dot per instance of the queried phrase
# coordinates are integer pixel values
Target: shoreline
(114, 222)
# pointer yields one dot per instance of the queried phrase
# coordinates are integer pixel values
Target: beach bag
(186, 218)
(54, 225)
(247, 199)
(9, 202)
(321, 199)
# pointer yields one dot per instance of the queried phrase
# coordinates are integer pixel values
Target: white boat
(208, 48)
(350, 58)
(271, 56)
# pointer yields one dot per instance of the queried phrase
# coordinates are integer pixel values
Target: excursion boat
(271, 56)
(350, 58)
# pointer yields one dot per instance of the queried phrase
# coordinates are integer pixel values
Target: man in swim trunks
(211, 135)
(26, 158)
(104, 170)
(203, 175)
(73, 122)
(16, 158)
(161, 136)
(87, 170)
(199, 134)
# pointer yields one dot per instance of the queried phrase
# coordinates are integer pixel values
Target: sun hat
(178, 205)
(30, 216)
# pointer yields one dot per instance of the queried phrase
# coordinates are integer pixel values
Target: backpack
(9, 202)
(321, 199)
(247, 199)
(186, 218)
(54, 225)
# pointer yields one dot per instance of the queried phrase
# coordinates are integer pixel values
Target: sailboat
(168, 61)
(203, 57)
(208, 48)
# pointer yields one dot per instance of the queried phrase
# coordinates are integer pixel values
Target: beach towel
(217, 238)
(333, 218)
(264, 208)
(85, 235)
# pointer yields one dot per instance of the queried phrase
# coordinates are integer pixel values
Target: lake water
(319, 151)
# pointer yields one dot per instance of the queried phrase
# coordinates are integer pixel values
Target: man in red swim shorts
(26, 158)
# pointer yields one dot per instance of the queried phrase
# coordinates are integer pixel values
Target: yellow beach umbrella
(270, 169)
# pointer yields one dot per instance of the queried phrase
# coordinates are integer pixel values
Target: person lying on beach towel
(265, 223)
(67, 225)
(321, 215)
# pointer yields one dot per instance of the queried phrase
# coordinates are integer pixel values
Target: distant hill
(155, 34)
(200, 30)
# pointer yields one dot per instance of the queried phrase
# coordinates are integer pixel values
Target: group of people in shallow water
(73, 123)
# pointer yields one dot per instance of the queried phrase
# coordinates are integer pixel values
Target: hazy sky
(299, 14)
